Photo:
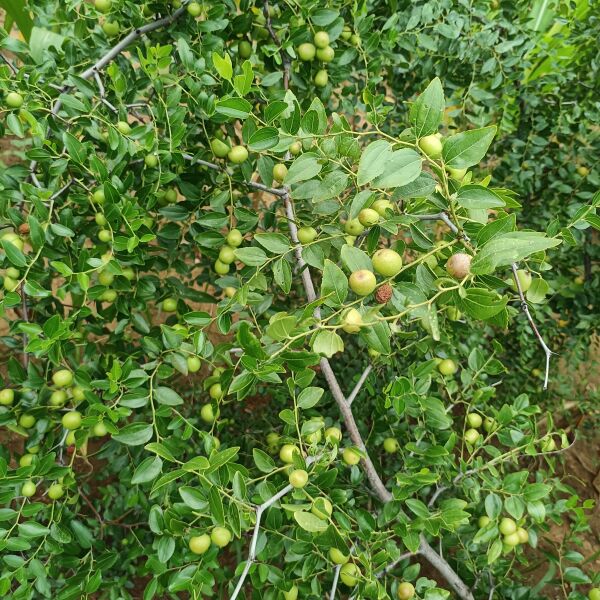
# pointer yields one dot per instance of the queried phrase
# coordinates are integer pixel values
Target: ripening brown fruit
(459, 265)
(383, 293)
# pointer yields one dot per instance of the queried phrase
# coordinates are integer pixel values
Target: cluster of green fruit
(367, 217)
(323, 52)
(233, 240)
(10, 237)
(106, 278)
(11, 279)
(221, 148)
(55, 491)
(70, 421)
(219, 536)
(215, 391)
(433, 146)
(388, 263)
(512, 535)
(474, 421)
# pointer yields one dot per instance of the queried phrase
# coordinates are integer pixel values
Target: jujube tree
(193, 200)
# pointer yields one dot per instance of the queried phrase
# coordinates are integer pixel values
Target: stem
(442, 216)
(105, 60)
(525, 309)
(444, 569)
(254, 542)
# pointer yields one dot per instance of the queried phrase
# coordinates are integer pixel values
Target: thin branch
(25, 315)
(442, 216)
(336, 577)
(350, 399)
(376, 483)
(10, 65)
(438, 491)
(445, 569)
(102, 92)
(254, 542)
(251, 184)
(105, 60)
(525, 309)
(285, 58)
(131, 37)
(391, 566)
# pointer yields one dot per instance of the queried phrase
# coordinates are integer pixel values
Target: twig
(445, 569)
(96, 513)
(442, 216)
(25, 315)
(389, 567)
(350, 399)
(102, 92)
(525, 309)
(106, 59)
(376, 483)
(336, 577)
(285, 59)
(251, 184)
(10, 65)
(253, 543)
(438, 491)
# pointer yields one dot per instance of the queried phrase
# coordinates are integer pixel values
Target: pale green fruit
(362, 282)
(431, 146)
(391, 445)
(381, 206)
(350, 456)
(525, 280)
(286, 453)
(199, 544)
(368, 217)
(349, 574)
(351, 321)
(338, 557)
(220, 536)
(298, 478)
(507, 526)
(387, 262)
(353, 227)
(321, 39)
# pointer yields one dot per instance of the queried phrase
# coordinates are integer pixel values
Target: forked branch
(442, 216)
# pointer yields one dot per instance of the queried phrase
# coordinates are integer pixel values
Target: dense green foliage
(169, 366)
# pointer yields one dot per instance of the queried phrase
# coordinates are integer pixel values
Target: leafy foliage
(188, 239)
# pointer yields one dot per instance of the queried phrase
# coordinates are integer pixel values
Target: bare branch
(525, 309)
(25, 315)
(102, 92)
(376, 483)
(254, 541)
(444, 569)
(108, 58)
(350, 399)
(285, 59)
(251, 184)
(336, 578)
